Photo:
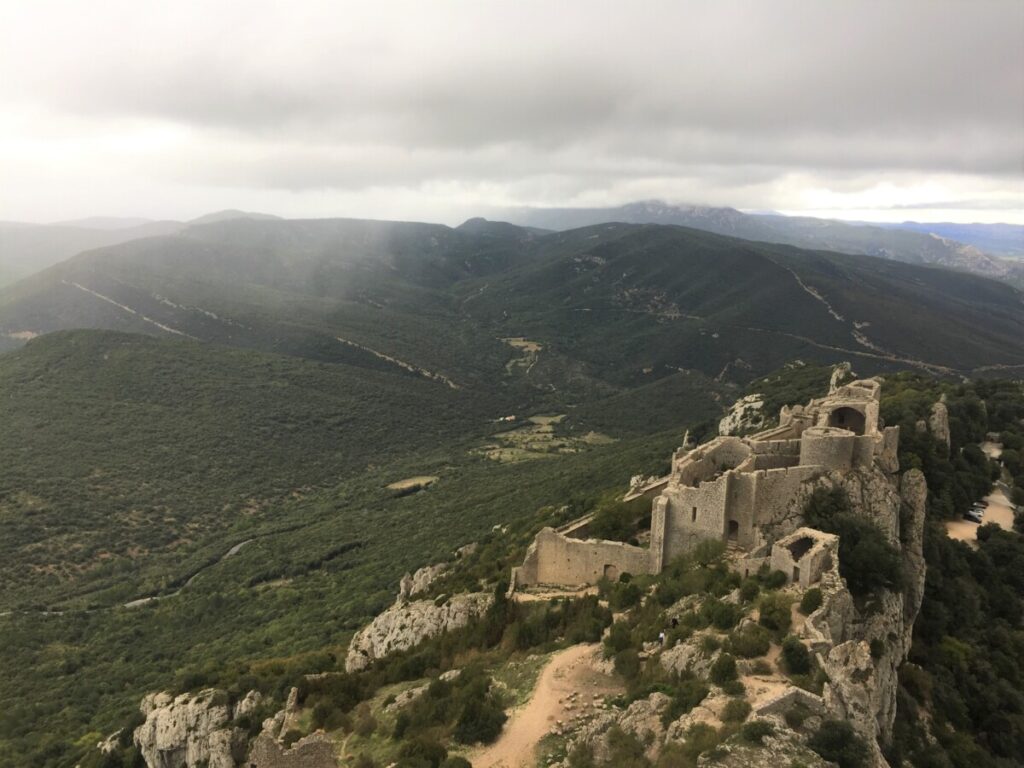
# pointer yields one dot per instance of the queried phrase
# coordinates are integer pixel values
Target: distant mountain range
(613, 304)
(997, 239)
(960, 247)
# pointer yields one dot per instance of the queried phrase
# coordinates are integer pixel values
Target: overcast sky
(437, 110)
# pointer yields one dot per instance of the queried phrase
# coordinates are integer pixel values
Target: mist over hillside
(612, 300)
(29, 248)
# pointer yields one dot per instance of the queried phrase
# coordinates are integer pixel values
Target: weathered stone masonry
(738, 490)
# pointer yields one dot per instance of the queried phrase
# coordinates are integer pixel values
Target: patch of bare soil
(575, 670)
(999, 511)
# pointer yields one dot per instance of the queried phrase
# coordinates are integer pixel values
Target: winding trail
(128, 309)
(401, 363)
(574, 670)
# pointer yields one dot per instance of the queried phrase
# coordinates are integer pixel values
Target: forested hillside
(608, 301)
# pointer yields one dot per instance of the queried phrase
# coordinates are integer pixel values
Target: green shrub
(456, 762)
(627, 663)
(480, 721)
(775, 613)
(734, 687)
(795, 656)
(423, 749)
(749, 590)
(836, 740)
(624, 595)
(736, 711)
(750, 642)
(720, 615)
(688, 694)
(708, 552)
(723, 670)
(619, 639)
(624, 749)
(709, 644)
(769, 579)
(811, 601)
(755, 731)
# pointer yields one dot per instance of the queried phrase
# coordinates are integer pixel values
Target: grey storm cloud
(309, 95)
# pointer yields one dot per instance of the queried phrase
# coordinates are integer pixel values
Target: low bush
(836, 740)
(723, 670)
(736, 711)
(755, 731)
(795, 656)
(688, 694)
(811, 601)
(775, 613)
(750, 642)
(749, 590)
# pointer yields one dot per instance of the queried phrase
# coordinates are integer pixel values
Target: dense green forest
(966, 668)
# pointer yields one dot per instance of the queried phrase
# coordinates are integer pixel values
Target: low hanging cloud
(754, 104)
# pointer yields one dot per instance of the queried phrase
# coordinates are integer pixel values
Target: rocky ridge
(407, 624)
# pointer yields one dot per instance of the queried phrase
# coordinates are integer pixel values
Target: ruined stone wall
(315, 751)
(827, 447)
(774, 462)
(805, 555)
(692, 515)
(557, 559)
(774, 494)
(711, 459)
(788, 447)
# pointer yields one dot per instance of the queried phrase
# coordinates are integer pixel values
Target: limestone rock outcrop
(189, 731)
(746, 414)
(405, 625)
(938, 423)
(781, 749)
(691, 655)
(418, 582)
(642, 719)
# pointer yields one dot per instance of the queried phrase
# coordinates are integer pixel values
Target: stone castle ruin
(745, 491)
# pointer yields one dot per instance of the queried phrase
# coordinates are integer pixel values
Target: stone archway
(611, 573)
(847, 418)
(734, 531)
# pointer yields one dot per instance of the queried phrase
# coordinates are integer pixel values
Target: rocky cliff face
(407, 624)
(191, 730)
(861, 647)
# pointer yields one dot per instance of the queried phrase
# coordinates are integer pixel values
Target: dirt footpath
(576, 669)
